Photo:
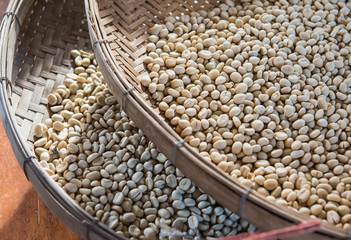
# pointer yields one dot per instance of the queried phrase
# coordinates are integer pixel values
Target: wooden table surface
(22, 214)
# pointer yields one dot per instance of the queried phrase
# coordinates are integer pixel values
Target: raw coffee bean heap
(106, 164)
(262, 89)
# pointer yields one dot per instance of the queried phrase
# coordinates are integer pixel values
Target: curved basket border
(218, 184)
(59, 203)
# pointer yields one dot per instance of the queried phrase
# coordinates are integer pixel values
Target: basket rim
(45, 186)
(137, 107)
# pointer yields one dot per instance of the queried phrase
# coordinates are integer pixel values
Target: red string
(302, 228)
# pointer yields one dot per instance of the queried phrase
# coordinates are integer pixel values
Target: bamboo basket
(119, 32)
(36, 39)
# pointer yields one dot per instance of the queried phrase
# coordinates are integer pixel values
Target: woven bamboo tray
(119, 32)
(35, 43)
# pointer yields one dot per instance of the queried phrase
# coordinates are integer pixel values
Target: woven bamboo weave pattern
(42, 57)
(127, 22)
